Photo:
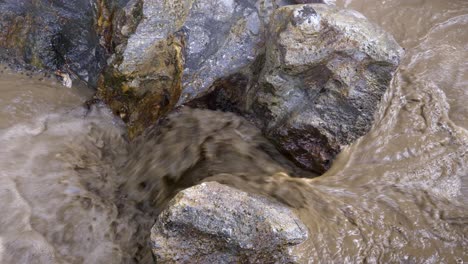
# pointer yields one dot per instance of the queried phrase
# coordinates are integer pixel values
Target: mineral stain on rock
(146, 93)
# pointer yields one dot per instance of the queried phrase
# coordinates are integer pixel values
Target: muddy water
(72, 190)
(51, 161)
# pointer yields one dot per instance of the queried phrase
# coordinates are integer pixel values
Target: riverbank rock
(214, 223)
(189, 44)
(324, 73)
(53, 35)
(326, 70)
(310, 76)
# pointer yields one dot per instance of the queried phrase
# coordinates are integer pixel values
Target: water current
(74, 190)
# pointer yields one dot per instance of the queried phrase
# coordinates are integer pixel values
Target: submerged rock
(214, 223)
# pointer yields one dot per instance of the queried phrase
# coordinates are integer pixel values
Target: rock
(125, 20)
(189, 44)
(326, 70)
(214, 223)
(324, 73)
(312, 80)
(144, 94)
(53, 35)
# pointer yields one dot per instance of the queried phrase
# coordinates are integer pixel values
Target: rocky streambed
(233, 132)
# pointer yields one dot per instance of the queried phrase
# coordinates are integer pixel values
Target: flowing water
(73, 190)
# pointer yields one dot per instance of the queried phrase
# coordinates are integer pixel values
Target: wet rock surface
(311, 78)
(53, 35)
(178, 50)
(214, 223)
(325, 72)
(323, 75)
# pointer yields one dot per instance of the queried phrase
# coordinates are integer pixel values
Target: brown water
(72, 190)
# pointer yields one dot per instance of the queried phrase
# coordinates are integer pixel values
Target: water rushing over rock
(73, 190)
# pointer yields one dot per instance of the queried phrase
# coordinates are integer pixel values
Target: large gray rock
(311, 76)
(326, 70)
(214, 223)
(214, 34)
(324, 74)
(189, 44)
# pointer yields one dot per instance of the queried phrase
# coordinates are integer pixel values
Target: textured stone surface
(189, 44)
(54, 35)
(324, 73)
(214, 34)
(326, 70)
(214, 223)
(311, 80)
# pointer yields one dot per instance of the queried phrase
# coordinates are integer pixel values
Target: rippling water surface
(73, 190)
